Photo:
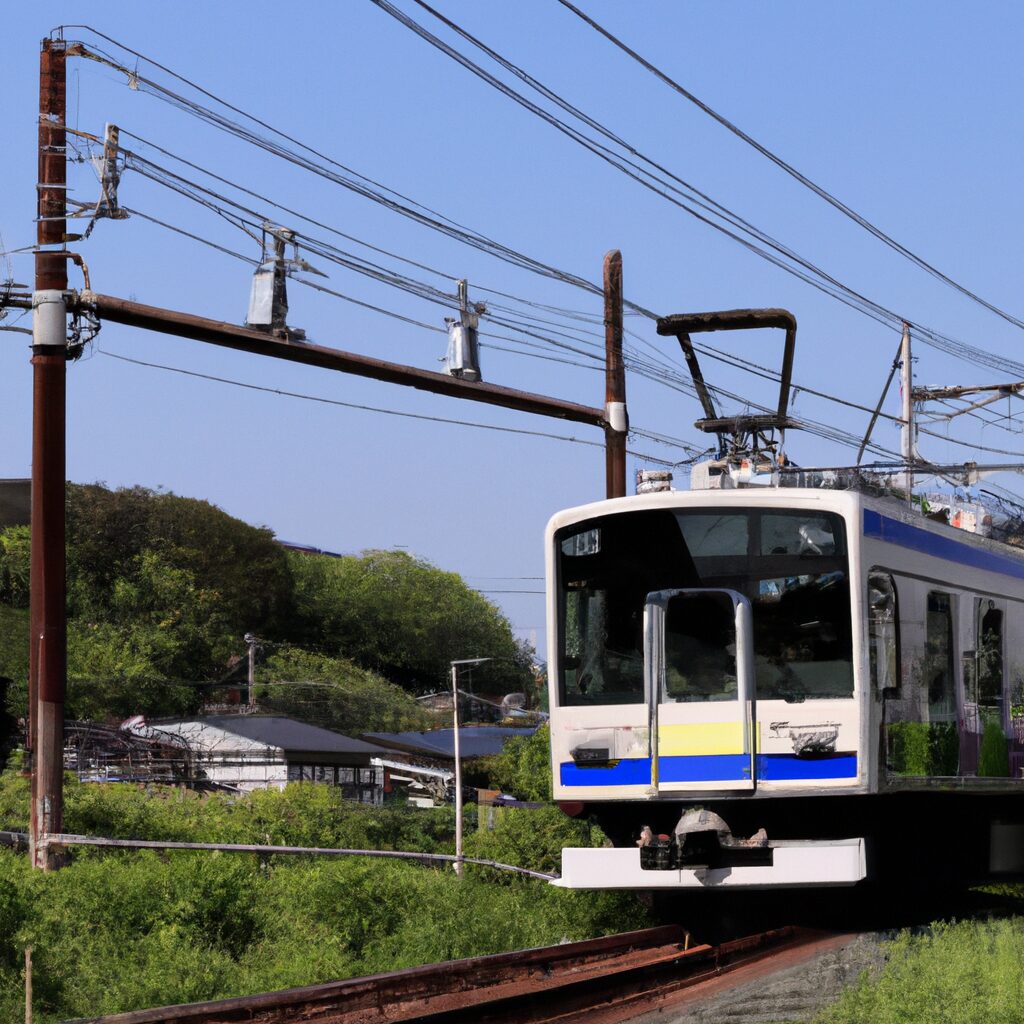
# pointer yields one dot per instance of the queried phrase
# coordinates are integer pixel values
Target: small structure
(247, 752)
(438, 745)
(96, 752)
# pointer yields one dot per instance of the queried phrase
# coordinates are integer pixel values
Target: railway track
(601, 981)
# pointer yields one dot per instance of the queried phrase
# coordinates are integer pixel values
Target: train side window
(938, 667)
(989, 671)
(883, 634)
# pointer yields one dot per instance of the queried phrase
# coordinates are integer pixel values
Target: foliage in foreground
(120, 931)
(523, 768)
(970, 972)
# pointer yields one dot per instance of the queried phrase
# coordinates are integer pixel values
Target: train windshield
(791, 565)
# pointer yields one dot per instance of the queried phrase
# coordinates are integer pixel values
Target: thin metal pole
(458, 772)
(616, 416)
(48, 648)
(881, 402)
(28, 985)
(907, 430)
(250, 639)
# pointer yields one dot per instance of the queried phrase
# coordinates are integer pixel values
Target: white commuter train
(835, 668)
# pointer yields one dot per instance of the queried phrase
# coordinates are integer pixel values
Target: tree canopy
(404, 618)
(162, 590)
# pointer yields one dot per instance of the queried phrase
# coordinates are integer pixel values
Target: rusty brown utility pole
(616, 419)
(48, 649)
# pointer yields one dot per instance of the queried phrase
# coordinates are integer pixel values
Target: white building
(247, 752)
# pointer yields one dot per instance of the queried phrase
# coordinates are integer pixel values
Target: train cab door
(699, 684)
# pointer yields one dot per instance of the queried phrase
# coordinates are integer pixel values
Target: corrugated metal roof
(473, 742)
(290, 735)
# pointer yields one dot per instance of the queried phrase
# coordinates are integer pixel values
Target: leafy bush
(923, 748)
(120, 931)
(994, 757)
(532, 838)
(523, 768)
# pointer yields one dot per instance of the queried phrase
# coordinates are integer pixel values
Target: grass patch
(968, 972)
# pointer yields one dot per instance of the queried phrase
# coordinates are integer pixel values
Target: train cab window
(883, 634)
(700, 648)
(938, 667)
(790, 564)
(602, 656)
(989, 672)
(716, 535)
(787, 534)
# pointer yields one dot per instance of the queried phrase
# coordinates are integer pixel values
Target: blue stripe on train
(915, 538)
(630, 771)
(636, 771)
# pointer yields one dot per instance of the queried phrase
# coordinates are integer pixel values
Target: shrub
(924, 748)
(532, 838)
(994, 757)
(523, 768)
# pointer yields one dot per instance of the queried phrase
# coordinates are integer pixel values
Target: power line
(818, 190)
(830, 286)
(366, 408)
(803, 269)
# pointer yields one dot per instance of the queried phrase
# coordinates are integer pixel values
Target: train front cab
(702, 653)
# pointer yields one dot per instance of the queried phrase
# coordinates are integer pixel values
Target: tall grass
(969, 972)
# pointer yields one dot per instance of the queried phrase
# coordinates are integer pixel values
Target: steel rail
(598, 980)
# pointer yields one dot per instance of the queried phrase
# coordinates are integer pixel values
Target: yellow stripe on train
(701, 738)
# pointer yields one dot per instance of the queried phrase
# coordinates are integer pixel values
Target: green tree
(336, 694)
(116, 537)
(405, 618)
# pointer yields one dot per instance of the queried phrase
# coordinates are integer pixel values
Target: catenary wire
(789, 169)
(590, 287)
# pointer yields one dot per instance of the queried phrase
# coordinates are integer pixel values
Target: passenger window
(939, 656)
(883, 633)
(700, 648)
(989, 671)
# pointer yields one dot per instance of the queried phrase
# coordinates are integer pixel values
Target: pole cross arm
(245, 339)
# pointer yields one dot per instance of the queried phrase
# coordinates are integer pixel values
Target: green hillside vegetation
(404, 618)
(336, 693)
(121, 931)
(162, 589)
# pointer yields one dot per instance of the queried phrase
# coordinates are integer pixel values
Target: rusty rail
(603, 980)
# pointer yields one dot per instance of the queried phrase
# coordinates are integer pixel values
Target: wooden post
(617, 420)
(48, 647)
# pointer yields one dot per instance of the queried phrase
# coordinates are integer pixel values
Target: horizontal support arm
(245, 339)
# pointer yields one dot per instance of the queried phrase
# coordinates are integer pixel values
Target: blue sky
(908, 112)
